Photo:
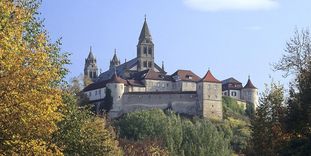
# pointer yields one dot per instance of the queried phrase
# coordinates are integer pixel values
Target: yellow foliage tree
(30, 71)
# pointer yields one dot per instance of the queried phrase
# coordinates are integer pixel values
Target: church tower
(145, 49)
(90, 67)
(115, 61)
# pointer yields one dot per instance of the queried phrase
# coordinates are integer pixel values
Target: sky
(232, 38)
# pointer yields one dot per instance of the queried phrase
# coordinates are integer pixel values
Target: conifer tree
(107, 103)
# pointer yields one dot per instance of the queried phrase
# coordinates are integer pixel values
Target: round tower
(250, 93)
(117, 86)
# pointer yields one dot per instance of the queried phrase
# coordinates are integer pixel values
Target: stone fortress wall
(180, 102)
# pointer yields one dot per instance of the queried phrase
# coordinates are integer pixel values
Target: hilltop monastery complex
(140, 84)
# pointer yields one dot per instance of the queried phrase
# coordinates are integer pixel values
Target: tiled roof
(135, 83)
(231, 80)
(96, 85)
(249, 85)
(116, 79)
(151, 75)
(209, 78)
(120, 70)
(185, 75)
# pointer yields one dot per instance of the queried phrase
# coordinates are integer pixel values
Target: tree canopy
(31, 69)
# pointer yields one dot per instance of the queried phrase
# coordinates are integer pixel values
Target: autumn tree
(31, 70)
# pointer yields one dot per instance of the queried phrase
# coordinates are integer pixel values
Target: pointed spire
(115, 57)
(145, 33)
(249, 83)
(91, 56)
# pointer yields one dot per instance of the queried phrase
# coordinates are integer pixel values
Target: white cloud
(220, 5)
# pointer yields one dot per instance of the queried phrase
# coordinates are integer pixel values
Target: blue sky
(234, 38)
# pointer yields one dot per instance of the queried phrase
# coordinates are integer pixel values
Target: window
(149, 64)
(145, 50)
(99, 92)
(225, 93)
(145, 63)
(150, 51)
(233, 93)
(95, 92)
(94, 74)
(90, 74)
(90, 93)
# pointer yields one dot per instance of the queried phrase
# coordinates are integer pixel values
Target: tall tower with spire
(90, 67)
(145, 49)
(115, 61)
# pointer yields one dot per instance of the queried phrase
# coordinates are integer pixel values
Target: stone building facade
(140, 84)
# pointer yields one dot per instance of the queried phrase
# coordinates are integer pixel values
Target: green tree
(268, 123)
(297, 62)
(82, 133)
(179, 136)
(107, 103)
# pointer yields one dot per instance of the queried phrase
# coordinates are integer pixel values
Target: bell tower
(90, 67)
(145, 49)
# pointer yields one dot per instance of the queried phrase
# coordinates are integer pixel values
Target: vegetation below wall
(236, 125)
(179, 136)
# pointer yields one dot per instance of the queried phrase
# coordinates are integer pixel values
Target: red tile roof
(250, 85)
(186, 75)
(209, 78)
(116, 79)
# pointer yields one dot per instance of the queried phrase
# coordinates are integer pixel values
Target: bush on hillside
(179, 136)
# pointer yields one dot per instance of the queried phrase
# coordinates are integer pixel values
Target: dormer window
(189, 77)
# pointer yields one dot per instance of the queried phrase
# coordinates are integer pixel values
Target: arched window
(145, 50)
(150, 51)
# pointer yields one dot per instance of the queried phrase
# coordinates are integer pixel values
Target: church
(141, 83)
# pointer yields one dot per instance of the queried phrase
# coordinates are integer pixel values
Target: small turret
(209, 93)
(90, 67)
(115, 61)
(250, 93)
(117, 86)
